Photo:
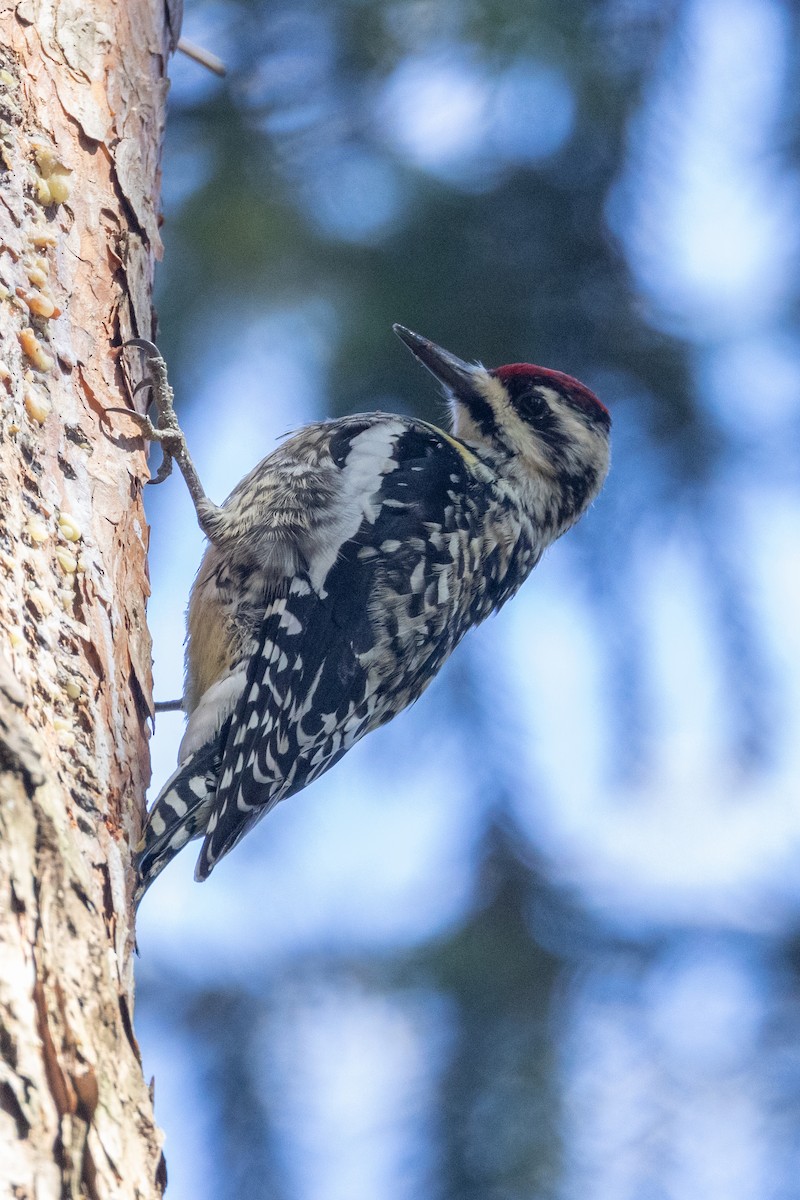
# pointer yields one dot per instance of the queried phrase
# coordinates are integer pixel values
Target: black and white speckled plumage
(345, 568)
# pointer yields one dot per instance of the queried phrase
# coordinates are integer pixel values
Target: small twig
(202, 56)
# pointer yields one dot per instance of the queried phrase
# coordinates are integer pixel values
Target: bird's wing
(338, 656)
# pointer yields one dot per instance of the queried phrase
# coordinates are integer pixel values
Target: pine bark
(82, 96)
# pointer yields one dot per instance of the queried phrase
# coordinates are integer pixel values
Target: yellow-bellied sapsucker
(344, 569)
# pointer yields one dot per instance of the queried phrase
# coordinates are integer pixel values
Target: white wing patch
(369, 459)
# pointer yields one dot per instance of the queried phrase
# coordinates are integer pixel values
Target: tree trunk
(82, 94)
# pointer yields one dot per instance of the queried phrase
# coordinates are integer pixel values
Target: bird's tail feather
(179, 814)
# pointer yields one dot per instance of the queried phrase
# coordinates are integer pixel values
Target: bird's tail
(180, 813)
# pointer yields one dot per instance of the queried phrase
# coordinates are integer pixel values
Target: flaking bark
(82, 94)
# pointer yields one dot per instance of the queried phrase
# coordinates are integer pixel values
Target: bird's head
(547, 422)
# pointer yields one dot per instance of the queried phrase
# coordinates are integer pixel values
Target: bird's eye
(531, 405)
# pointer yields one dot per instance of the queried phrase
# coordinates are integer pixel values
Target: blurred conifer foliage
(466, 167)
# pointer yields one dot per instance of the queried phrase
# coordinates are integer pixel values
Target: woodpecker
(345, 568)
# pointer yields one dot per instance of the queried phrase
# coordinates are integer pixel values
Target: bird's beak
(454, 373)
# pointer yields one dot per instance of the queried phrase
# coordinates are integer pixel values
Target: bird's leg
(168, 433)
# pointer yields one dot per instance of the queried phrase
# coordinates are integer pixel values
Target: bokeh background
(538, 938)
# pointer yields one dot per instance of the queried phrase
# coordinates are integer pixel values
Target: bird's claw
(142, 386)
(166, 431)
(146, 426)
(164, 468)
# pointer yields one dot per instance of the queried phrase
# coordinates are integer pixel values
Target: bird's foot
(167, 431)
